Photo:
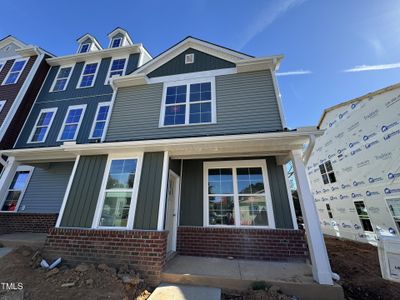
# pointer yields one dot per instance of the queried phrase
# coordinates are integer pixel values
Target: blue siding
(46, 188)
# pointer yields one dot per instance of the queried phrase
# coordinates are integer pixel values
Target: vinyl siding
(84, 193)
(146, 214)
(46, 188)
(245, 103)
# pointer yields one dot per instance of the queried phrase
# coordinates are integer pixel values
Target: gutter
(307, 152)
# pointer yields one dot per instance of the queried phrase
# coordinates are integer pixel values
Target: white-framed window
(42, 125)
(189, 58)
(363, 216)
(84, 48)
(62, 78)
(72, 123)
(329, 210)
(88, 76)
(100, 120)
(16, 189)
(118, 196)
(2, 104)
(2, 65)
(237, 194)
(116, 42)
(188, 102)
(117, 68)
(394, 208)
(326, 170)
(15, 71)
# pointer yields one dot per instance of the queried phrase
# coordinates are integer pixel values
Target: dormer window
(116, 42)
(84, 48)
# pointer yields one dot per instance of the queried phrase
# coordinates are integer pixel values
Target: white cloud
(363, 68)
(296, 72)
(266, 17)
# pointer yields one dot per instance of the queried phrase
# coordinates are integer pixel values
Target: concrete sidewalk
(167, 291)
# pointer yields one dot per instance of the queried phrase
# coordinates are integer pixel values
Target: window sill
(186, 125)
(238, 227)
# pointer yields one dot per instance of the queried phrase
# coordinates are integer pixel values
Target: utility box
(389, 257)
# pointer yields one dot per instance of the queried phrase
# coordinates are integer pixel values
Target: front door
(171, 215)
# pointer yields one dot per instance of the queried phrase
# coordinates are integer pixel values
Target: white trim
(19, 169)
(25, 60)
(66, 194)
(2, 64)
(116, 38)
(188, 103)
(94, 75)
(114, 95)
(45, 110)
(390, 212)
(56, 78)
(163, 192)
(2, 104)
(176, 209)
(101, 104)
(278, 97)
(108, 78)
(259, 163)
(290, 198)
(191, 76)
(84, 44)
(135, 190)
(368, 216)
(83, 106)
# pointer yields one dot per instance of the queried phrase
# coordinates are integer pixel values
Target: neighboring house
(354, 170)
(22, 71)
(192, 161)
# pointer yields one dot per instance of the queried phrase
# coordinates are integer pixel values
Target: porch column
(321, 268)
(7, 176)
(163, 193)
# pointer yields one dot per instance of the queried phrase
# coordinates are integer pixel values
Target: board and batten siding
(46, 188)
(245, 103)
(83, 196)
(191, 203)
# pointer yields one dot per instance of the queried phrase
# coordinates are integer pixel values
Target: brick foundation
(258, 244)
(145, 251)
(26, 222)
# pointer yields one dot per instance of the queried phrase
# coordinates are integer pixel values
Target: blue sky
(330, 47)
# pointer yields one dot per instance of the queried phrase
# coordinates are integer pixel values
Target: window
(118, 199)
(42, 125)
(2, 104)
(328, 176)
(1, 65)
(100, 121)
(88, 76)
(61, 81)
(117, 68)
(189, 58)
(328, 208)
(84, 48)
(237, 194)
(191, 103)
(394, 207)
(72, 122)
(363, 216)
(116, 42)
(15, 72)
(17, 189)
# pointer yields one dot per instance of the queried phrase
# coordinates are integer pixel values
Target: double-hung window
(61, 81)
(72, 122)
(237, 194)
(42, 125)
(17, 189)
(88, 76)
(100, 120)
(15, 71)
(189, 103)
(326, 170)
(117, 68)
(2, 104)
(117, 200)
(116, 42)
(362, 213)
(84, 48)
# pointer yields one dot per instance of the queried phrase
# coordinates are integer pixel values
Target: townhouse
(184, 154)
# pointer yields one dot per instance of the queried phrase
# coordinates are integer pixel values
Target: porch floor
(294, 278)
(16, 239)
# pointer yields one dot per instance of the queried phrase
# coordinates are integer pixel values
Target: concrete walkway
(4, 251)
(167, 291)
(16, 239)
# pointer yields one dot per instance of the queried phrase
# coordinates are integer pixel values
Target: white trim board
(81, 106)
(45, 110)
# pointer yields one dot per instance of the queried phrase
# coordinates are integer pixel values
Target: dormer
(119, 38)
(88, 43)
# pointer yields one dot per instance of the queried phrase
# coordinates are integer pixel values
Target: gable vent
(189, 58)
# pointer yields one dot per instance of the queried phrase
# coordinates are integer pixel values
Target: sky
(334, 50)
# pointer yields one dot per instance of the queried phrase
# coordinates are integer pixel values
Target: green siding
(84, 193)
(202, 62)
(146, 215)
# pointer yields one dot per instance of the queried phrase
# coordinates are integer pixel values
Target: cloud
(364, 68)
(295, 72)
(266, 17)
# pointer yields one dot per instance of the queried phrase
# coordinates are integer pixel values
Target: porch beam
(163, 192)
(321, 268)
(7, 176)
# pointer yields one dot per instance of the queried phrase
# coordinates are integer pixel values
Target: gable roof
(122, 31)
(11, 39)
(89, 36)
(24, 49)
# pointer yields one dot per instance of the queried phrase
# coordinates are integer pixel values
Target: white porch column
(163, 193)
(7, 176)
(321, 268)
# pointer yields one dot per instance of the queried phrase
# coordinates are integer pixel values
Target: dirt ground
(359, 270)
(85, 282)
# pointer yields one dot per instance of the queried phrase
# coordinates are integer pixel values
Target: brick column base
(145, 251)
(243, 243)
(26, 222)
